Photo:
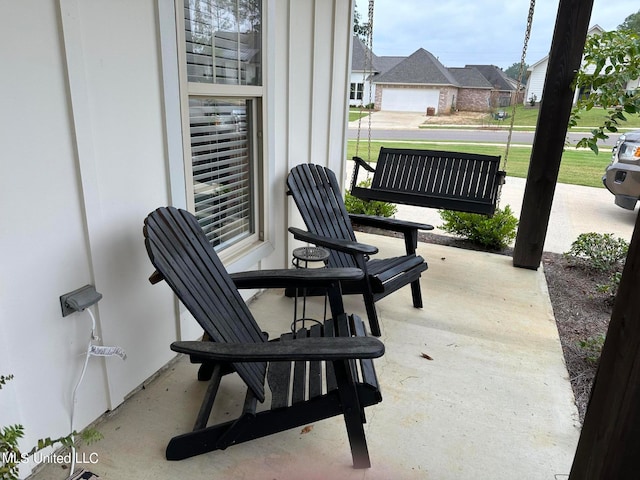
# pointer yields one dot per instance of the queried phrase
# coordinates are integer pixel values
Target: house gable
(495, 76)
(420, 68)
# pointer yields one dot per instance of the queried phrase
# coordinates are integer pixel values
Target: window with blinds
(221, 67)
(223, 41)
(221, 153)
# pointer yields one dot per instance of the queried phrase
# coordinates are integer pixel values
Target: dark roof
(422, 68)
(384, 64)
(495, 76)
(359, 60)
(469, 77)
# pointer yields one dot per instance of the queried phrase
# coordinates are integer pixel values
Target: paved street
(405, 126)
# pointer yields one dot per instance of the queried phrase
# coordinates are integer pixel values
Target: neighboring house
(364, 65)
(473, 91)
(420, 83)
(504, 88)
(538, 72)
(111, 109)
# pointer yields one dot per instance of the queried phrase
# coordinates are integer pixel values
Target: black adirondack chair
(183, 257)
(317, 195)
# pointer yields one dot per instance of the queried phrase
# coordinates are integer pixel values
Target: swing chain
(527, 35)
(368, 69)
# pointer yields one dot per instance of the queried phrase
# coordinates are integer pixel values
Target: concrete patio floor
(494, 403)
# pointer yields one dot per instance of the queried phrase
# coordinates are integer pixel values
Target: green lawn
(578, 167)
(528, 116)
(354, 114)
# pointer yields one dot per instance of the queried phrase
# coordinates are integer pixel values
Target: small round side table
(302, 256)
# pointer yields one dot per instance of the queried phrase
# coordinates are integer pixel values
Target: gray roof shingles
(496, 77)
(421, 68)
(469, 77)
(361, 63)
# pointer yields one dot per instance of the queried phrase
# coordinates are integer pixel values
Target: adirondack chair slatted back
(436, 173)
(316, 193)
(180, 251)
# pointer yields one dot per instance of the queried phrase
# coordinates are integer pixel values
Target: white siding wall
(535, 84)
(368, 95)
(311, 91)
(88, 140)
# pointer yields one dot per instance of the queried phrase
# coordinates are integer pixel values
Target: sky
(462, 32)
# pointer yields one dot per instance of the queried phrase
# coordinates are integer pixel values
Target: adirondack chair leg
(207, 404)
(372, 314)
(416, 294)
(352, 417)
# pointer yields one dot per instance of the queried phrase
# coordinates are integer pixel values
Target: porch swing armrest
(361, 163)
(501, 177)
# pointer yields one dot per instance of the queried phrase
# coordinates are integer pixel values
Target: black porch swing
(465, 182)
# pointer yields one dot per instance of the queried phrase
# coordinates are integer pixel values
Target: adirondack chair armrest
(393, 224)
(305, 349)
(284, 278)
(346, 246)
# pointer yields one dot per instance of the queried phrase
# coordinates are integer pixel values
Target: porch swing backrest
(465, 182)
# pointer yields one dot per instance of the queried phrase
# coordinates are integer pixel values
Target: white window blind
(223, 41)
(221, 150)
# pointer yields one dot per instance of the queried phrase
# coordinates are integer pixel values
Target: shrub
(358, 206)
(599, 251)
(10, 454)
(592, 348)
(611, 287)
(495, 232)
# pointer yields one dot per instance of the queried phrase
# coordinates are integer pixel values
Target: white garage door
(409, 99)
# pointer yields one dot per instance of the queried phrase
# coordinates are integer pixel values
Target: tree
(611, 61)
(359, 29)
(514, 70)
(631, 23)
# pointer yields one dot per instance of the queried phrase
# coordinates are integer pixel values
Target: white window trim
(248, 251)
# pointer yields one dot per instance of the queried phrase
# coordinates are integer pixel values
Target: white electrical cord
(95, 350)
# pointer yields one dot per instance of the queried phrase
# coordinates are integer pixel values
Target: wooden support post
(572, 24)
(609, 445)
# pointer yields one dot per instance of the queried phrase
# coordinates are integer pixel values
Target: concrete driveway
(385, 120)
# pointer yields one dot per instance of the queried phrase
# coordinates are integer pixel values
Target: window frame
(356, 91)
(256, 96)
